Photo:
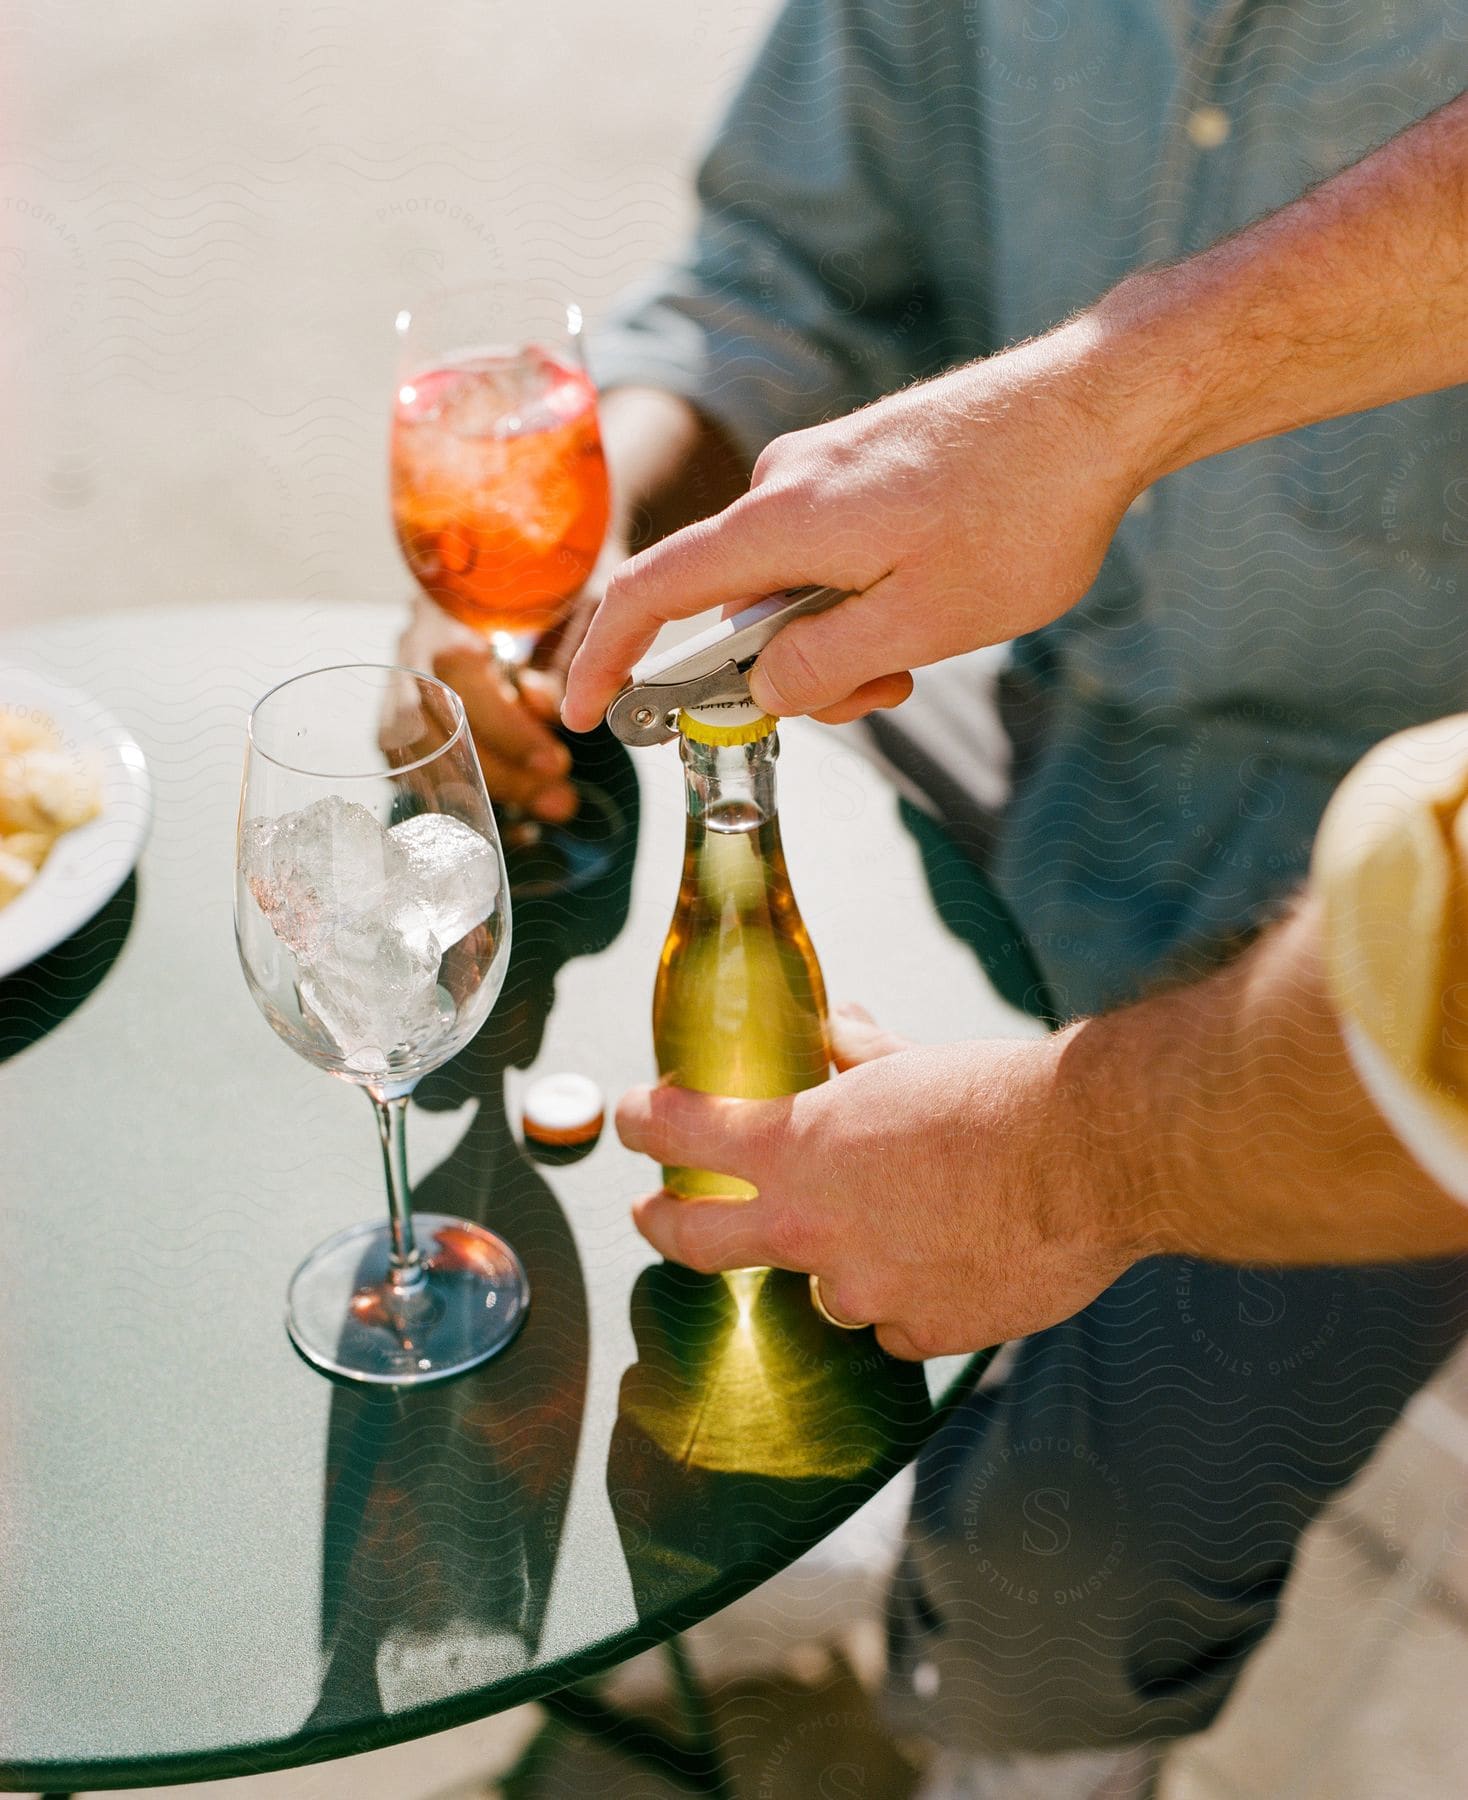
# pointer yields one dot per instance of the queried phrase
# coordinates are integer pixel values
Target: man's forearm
(1350, 297)
(1225, 1120)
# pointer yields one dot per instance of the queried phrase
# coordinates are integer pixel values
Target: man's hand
(959, 513)
(978, 506)
(940, 1193)
(963, 1194)
(667, 465)
(525, 763)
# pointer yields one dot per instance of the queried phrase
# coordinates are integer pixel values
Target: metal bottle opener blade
(711, 669)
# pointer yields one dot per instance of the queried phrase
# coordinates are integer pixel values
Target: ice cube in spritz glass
(500, 486)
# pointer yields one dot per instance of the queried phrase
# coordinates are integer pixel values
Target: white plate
(87, 866)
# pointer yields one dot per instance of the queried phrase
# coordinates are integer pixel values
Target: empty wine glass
(372, 917)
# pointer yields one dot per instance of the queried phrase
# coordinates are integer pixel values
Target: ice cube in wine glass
(421, 400)
(494, 396)
(455, 872)
(372, 984)
(312, 869)
(540, 488)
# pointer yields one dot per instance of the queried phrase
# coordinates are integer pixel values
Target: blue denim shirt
(899, 187)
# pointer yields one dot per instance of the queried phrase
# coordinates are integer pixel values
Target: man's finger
(541, 692)
(705, 1234)
(818, 663)
(500, 719)
(857, 1038)
(873, 696)
(680, 1128)
(739, 555)
(511, 784)
(559, 643)
(895, 1341)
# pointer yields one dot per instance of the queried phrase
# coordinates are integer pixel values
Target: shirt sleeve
(800, 295)
(1390, 871)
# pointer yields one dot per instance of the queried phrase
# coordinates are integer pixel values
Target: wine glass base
(560, 859)
(345, 1316)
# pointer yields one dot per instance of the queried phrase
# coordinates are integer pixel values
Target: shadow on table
(747, 1428)
(444, 1506)
(36, 999)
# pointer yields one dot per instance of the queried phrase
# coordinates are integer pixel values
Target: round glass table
(218, 1562)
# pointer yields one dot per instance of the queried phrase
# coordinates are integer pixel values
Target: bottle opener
(710, 669)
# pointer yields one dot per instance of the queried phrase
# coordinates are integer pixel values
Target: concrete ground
(209, 214)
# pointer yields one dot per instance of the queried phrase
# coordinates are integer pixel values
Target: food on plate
(45, 791)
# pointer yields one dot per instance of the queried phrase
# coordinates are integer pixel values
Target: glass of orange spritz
(500, 502)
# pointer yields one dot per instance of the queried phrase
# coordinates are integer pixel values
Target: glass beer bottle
(739, 1007)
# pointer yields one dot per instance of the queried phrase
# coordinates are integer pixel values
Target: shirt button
(1209, 127)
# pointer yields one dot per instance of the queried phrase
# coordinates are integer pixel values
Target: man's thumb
(857, 1038)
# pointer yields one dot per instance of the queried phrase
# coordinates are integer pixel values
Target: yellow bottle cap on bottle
(722, 725)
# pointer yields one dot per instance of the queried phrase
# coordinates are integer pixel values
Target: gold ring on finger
(817, 1300)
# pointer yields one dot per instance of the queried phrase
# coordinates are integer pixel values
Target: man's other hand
(940, 1193)
(526, 763)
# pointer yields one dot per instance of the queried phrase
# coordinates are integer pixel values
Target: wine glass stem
(511, 651)
(407, 1266)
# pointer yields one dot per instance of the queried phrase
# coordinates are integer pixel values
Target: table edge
(305, 1748)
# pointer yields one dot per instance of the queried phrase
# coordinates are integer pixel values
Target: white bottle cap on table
(563, 1110)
